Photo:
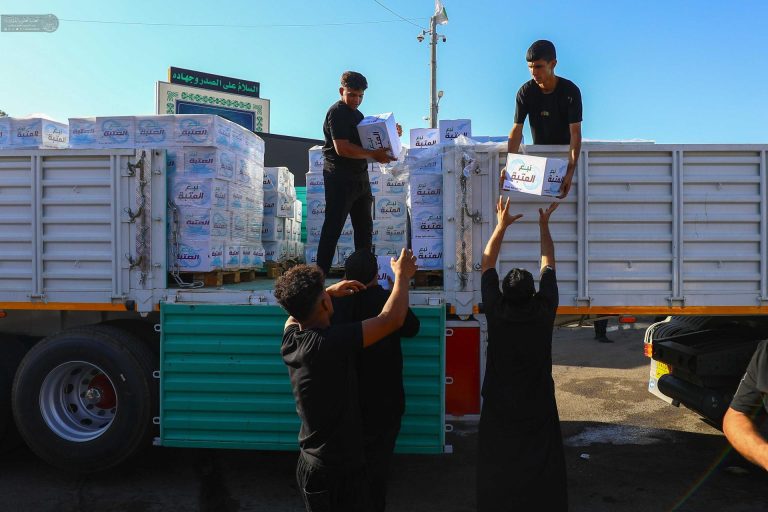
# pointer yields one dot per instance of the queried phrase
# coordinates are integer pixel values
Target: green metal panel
(224, 385)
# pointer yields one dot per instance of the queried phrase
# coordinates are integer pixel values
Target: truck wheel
(83, 398)
(11, 352)
(142, 329)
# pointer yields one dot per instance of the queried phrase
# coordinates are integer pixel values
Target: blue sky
(673, 71)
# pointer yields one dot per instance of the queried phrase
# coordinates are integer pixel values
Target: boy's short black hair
(518, 287)
(299, 289)
(361, 266)
(541, 50)
(354, 80)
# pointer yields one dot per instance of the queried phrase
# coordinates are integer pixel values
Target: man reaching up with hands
(521, 465)
(321, 360)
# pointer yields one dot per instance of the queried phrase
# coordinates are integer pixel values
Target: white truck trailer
(115, 357)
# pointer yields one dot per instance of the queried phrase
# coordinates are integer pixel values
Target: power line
(401, 17)
(209, 25)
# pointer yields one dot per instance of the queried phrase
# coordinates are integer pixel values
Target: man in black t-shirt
(521, 464)
(379, 371)
(347, 190)
(321, 364)
(554, 106)
(750, 398)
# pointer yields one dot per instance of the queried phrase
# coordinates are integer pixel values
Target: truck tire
(83, 399)
(11, 352)
(142, 329)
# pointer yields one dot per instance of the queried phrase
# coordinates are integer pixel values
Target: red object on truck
(462, 368)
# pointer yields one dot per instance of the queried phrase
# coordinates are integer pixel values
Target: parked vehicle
(116, 356)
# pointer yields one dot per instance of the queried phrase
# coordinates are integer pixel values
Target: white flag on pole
(441, 15)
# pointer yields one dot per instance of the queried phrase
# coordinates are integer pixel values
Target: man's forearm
(396, 307)
(350, 150)
(745, 438)
(547, 246)
(492, 248)
(574, 151)
(515, 138)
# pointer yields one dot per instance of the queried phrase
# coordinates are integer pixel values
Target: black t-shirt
(753, 389)
(321, 364)
(518, 371)
(380, 366)
(551, 114)
(341, 123)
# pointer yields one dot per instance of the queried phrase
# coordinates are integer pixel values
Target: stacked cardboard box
(281, 231)
(32, 133)
(390, 211)
(214, 170)
(425, 199)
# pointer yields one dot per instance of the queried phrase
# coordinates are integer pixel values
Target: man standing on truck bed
(379, 369)
(521, 464)
(554, 105)
(320, 357)
(347, 189)
(752, 395)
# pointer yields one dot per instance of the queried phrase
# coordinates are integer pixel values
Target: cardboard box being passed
(534, 174)
(380, 131)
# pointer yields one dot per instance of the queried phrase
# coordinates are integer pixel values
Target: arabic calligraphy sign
(252, 113)
(213, 82)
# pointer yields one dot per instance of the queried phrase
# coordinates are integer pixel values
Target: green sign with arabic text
(213, 82)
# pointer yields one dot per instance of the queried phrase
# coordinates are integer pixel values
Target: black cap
(541, 50)
(361, 266)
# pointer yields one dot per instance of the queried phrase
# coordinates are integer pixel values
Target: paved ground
(626, 451)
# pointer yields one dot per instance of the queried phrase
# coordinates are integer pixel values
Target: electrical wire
(401, 17)
(210, 25)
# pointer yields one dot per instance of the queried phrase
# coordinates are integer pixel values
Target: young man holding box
(554, 104)
(347, 190)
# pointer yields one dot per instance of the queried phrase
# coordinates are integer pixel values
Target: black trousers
(379, 448)
(345, 194)
(327, 489)
(520, 464)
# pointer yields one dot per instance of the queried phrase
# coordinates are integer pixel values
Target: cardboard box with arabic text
(380, 131)
(424, 137)
(534, 174)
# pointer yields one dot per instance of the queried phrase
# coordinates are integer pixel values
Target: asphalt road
(625, 449)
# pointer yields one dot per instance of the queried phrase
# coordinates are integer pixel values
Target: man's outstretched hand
(404, 267)
(544, 214)
(503, 218)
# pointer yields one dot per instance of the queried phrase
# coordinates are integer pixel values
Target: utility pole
(440, 18)
(433, 100)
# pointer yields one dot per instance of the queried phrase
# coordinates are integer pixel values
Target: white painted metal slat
(16, 227)
(76, 235)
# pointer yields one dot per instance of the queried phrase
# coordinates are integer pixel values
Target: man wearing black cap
(380, 371)
(347, 189)
(521, 465)
(554, 105)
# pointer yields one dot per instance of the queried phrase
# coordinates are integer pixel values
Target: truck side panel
(224, 385)
(647, 228)
(64, 239)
